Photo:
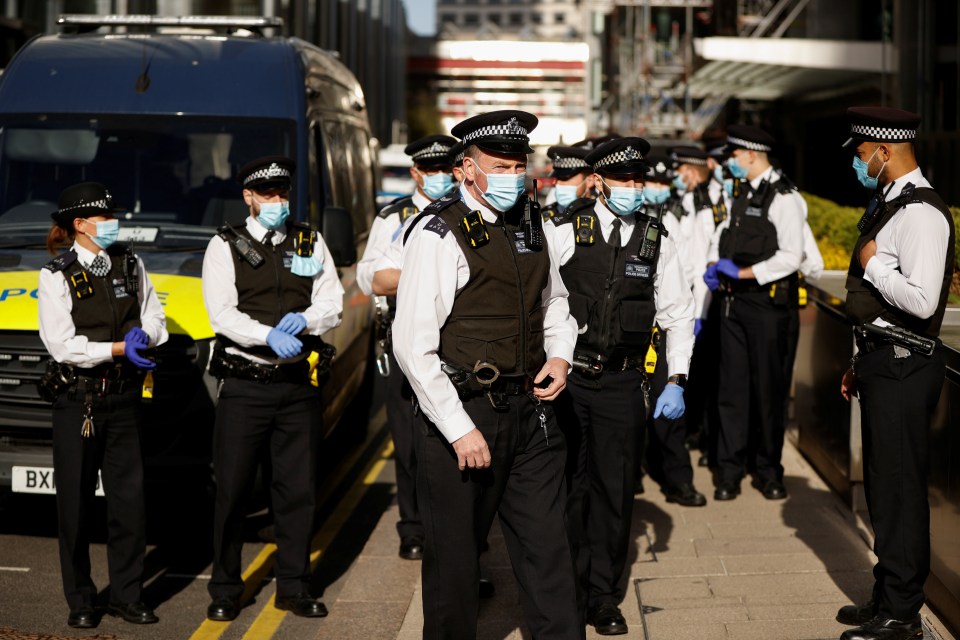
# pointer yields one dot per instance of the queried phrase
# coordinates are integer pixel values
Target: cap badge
(660, 168)
(630, 154)
(274, 170)
(514, 128)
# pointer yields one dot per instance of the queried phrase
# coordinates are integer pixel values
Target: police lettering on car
(99, 315)
(484, 335)
(624, 276)
(897, 288)
(271, 289)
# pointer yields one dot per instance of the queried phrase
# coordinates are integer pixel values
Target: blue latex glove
(711, 278)
(134, 342)
(697, 327)
(727, 267)
(670, 403)
(283, 344)
(292, 323)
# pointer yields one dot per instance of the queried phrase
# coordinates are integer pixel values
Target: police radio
(651, 236)
(131, 272)
(245, 249)
(532, 222)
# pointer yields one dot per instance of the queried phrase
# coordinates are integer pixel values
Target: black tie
(268, 239)
(614, 240)
(99, 267)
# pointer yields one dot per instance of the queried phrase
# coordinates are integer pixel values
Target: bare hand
(868, 251)
(848, 385)
(472, 451)
(555, 368)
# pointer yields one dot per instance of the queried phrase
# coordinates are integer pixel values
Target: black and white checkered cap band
(624, 155)
(273, 171)
(458, 159)
(747, 144)
(511, 128)
(688, 160)
(436, 150)
(883, 133)
(100, 204)
(569, 163)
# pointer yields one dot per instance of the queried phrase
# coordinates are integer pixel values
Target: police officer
(484, 335)
(755, 255)
(98, 313)
(574, 181)
(899, 279)
(623, 274)
(433, 174)
(271, 289)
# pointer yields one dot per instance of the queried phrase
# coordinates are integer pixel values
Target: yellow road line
(270, 618)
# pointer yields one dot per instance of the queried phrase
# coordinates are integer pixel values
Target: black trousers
(525, 486)
(402, 423)
(668, 460)
(701, 393)
(897, 398)
(753, 345)
(604, 424)
(285, 418)
(114, 450)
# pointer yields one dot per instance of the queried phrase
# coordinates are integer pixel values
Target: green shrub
(835, 228)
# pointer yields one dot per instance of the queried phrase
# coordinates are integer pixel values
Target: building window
(536, 17)
(515, 19)
(560, 18)
(471, 19)
(494, 18)
(446, 18)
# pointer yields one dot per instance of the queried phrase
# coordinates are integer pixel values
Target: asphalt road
(179, 552)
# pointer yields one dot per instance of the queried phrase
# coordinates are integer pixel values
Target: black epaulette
(241, 245)
(119, 249)
(574, 209)
(550, 212)
(61, 262)
(304, 239)
(403, 206)
(784, 185)
(434, 208)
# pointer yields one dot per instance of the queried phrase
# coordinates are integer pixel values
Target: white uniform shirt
(382, 233)
(434, 271)
(911, 250)
(671, 293)
(221, 298)
(697, 248)
(59, 334)
(788, 214)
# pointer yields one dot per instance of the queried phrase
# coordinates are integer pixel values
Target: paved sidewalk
(749, 569)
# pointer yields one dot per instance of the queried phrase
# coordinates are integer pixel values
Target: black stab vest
(270, 291)
(865, 303)
(112, 309)
(498, 316)
(612, 293)
(751, 236)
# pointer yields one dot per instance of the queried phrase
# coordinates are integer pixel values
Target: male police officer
(897, 291)
(484, 334)
(432, 172)
(755, 254)
(623, 274)
(574, 181)
(270, 288)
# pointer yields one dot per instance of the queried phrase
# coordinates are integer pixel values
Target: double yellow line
(269, 619)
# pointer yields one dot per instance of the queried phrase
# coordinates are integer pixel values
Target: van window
(173, 172)
(349, 166)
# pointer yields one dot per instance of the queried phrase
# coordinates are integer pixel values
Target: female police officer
(98, 313)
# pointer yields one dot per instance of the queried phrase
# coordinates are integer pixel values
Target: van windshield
(173, 175)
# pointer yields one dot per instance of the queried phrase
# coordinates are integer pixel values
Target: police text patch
(637, 270)
(754, 212)
(438, 226)
(521, 243)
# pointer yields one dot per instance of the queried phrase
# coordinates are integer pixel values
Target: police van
(164, 111)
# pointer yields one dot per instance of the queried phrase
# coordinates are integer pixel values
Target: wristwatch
(678, 379)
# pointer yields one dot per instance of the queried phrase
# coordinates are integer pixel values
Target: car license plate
(40, 480)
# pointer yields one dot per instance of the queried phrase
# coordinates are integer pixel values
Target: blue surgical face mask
(503, 189)
(623, 201)
(728, 186)
(107, 233)
(718, 173)
(273, 214)
(656, 195)
(735, 169)
(437, 184)
(862, 169)
(566, 194)
(679, 184)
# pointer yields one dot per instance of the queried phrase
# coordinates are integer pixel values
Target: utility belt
(593, 365)
(102, 380)
(485, 380)
(780, 292)
(871, 337)
(230, 365)
(383, 334)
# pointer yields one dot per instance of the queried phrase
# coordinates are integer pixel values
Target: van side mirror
(337, 230)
